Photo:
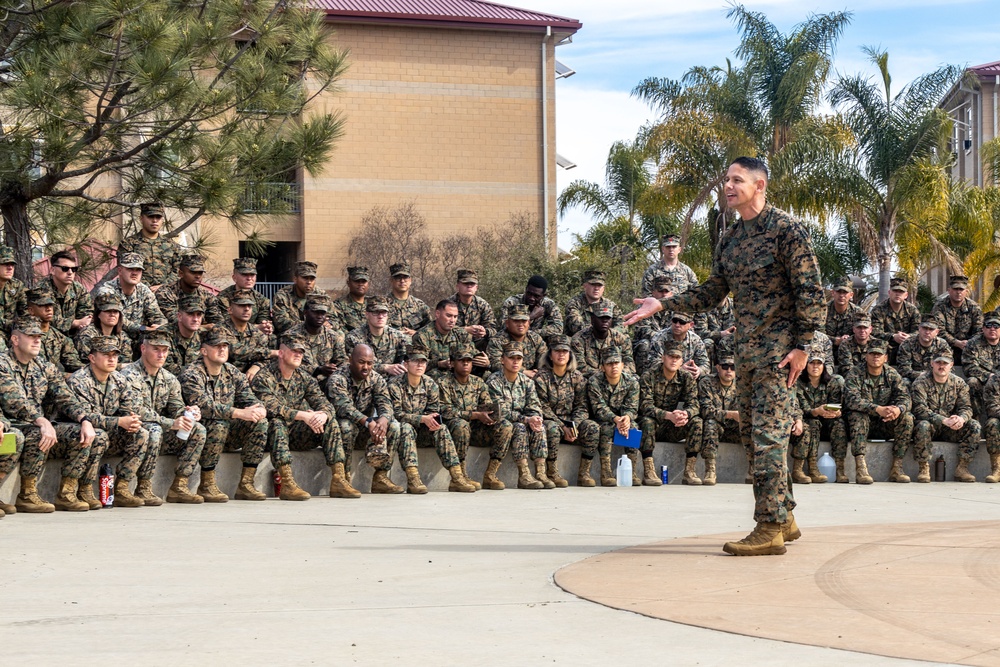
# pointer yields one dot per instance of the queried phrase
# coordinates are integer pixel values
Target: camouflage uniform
(587, 350)
(249, 347)
(912, 359)
(886, 323)
(139, 309)
(183, 351)
(409, 404)
(934, 402)
(578, 311)
(218, 307)
(477, 312)
(105, 402)
(58, 349)
(533, 346)
(168, 296)
(658, 395)
(548, 325)
(161, 404)
(710, 329)
(979, 361)
(862, 394)
(645, 330)
(815, 429)
(991, 406)
(408, 313)
(563, 400)
(12, 301)
(840, 324)
(825, 345)
(515, 401)
(216, 396)
(161, 256)
(692, 347)
(348, 314)
(288, 307)
(439, 346)
(389, 348)
(458, 402)
(325, 347)
(607, 402)
(715, 400)
(769, 266)
(75, 304)
(86, 335)
(681, 277)
(850, 354)
(956, 324)
(357, 401)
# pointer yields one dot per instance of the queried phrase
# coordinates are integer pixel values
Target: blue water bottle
(664, 475)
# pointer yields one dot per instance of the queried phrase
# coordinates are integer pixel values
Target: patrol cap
(40, 296)
(513, 349)
(601, 311)
(29, 325)
(108, 301)
(663, 283)
(306, 269)
(842, 284)
(377, 304)
(468, 276)
(594, 277)
(726, 359)
(681, 316)
(191, 303)
(157, 337)
(295, 342)
(611, 355)
(104, 344)
(945, 355)
(151, 208)
(671, 240)
(991, 318)
(217, 336)
(519, 312)
(7, 255)
(357, 273)
(318, 302)
(400, 269)
(195, 263)
(463, 352)
(130, 260)
(416, 353)
(242, 297)
(816, 353)
(877, 346)
(245, 265)
(560, 342)
(898, 285)
(673, 348)
(928, 321)
(862, 320)
(958, 281)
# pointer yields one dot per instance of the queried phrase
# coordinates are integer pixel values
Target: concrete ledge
(313, 475)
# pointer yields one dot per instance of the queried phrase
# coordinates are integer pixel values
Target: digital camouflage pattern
(139, 308)
(12, 303)
(183, 351)
(886, 323)
(991, 406)
(769, 266)
(75, 304)
(347, 314)
(564, 400)
(439, 346)
(161, 256)
(657, 396)
(218, 307)
(515, 401)
(58, 349)
(248, 348)
(587, 350)
(477, 312)
(408, 313)
(850, 354)
(288, 308)
(862, 394)
(325, 347)
(576, 317)
(692, 347)
(934, 402)
(840, 324)
(84, 337)
(912, 358)
(533, 346)
(548, 325)
(168, 296)
(458, 402)
(980, 360)
(960, 323)
(607, 402)
(409, 404)
(815, 429)
(389, 348)
(715, 400)
(681, 277)
(354, 402)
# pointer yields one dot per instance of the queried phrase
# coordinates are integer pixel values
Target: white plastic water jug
(624, 471)
(827, 465)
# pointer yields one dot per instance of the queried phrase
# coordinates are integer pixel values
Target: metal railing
(269, 289)
(272, 198)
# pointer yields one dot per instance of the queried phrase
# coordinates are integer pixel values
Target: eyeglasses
(728, 367)
(677, 320)
(991, 326)
(67, 269)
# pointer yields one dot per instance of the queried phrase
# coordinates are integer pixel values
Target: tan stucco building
(450, 104)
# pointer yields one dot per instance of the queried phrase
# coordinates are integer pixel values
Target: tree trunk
(17, 234)
(886, 235)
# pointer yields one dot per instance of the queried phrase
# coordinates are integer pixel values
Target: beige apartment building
(449, 104)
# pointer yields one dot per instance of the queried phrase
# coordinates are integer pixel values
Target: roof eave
(417, 20)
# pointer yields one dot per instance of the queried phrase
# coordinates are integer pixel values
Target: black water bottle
(940, 469)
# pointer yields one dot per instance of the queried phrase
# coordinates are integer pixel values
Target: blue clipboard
(633, 440)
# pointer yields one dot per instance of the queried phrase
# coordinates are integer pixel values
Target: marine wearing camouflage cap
(377, 304)
(29, 325)
(242, 297)
(131, 260)
(513, 349)
(108, 301)
(306, 269)
(157, 337)
(104, 344)
(468, 276)
(245, 265)
(40, 296)
(318, 302)
(191, 303)
(358, 273)
(520, 312)
(193, 263)
(295, 342)
(400, 269)
(217, 336)
(611, 355)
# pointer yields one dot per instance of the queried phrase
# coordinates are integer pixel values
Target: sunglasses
(677, 320)
(67, 269)
(991, 326)
(728, 367)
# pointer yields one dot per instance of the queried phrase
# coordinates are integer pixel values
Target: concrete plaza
(442, 579)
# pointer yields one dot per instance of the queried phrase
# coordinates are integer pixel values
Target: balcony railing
(272, 198)
(269, 289)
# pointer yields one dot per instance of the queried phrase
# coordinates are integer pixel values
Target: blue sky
(623, 42)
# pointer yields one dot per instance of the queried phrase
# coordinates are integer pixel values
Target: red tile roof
(455, 13)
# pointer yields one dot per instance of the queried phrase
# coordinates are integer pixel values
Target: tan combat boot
(710, 477)
(798, 475)
(552, 472)
(413, 483)
(382, 484)
(749, 478)
(583, 477)
(790, 530)
(465, 472)
(28, 499)
(209, 490)
(180, 493)
(897, 474)
(691, 472)
(458, 481)
(962, 473)
(339, 486)
(144, 489)
(924, 475)
(814, 474)
(841, 474)
(85, 492)
(490, 480)
(861, 475)
(649, 476)
(124, 497)
(66, 500)
(7, 508)
(246, 490)
(524, 478)
(994, 475)
(764, 540)
(541, 476)
(290, 490)
(633, 456)
(607, 475)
